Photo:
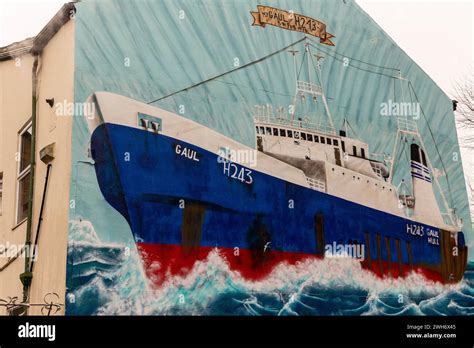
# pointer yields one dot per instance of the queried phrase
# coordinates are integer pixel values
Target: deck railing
(310, 126)
(316, 184)
(406, 125)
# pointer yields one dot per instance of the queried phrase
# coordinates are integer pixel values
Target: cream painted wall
(55, 80)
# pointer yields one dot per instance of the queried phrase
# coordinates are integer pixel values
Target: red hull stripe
(179, 260)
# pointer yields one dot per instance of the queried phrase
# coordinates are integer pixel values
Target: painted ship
(186, 190)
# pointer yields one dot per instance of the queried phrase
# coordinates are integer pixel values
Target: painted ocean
(107, 279)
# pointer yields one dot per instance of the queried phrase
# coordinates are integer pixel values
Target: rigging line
(409, 91)
(404, 150)
(359, 68)
(355, 66)
(352, 129)
(301, 66)
(316, 69)
(229, 71)
(254, 89)
(355, 59)
(435, 144)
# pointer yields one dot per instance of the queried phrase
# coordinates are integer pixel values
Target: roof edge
(35, 45)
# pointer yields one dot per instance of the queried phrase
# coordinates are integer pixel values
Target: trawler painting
(184, 191)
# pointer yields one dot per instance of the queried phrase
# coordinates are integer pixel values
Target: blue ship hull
(195, 202)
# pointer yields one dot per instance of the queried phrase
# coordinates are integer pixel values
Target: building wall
(55, 80)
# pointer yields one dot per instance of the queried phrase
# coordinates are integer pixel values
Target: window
(316, 139)
(1, 192)
(269, 131)
(322, 140)
(24, 171)
(282, 133)
(362, 152)
(335, 142)
(155, 126)
(297, 135)
(354, 150)
(256, 130)
(415, 153)
(343, 145)
(290, 134)
(329, 141)
(303, 136)
(262, 130)
(144, 123)
(275, 131)
(310, 137)
(423, 157)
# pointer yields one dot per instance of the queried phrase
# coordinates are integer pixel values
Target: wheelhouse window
(323, 141)
(335, 142)
(262, 130)
(329, 141)
(310, 137)
(282, 133)
(290, 133)
(297, 135)
(362, 152)
(256, 130)
(23, 174)
(268, 131)
(316, 139)
(354, 150)
(275, 131)
(423, 158)
(303, 136)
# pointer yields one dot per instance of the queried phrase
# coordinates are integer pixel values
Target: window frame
(1, 193)
(20, 175)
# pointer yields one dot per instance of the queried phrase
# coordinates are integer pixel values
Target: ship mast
(307, 87)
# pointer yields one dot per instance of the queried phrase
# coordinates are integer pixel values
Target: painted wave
(107, 279)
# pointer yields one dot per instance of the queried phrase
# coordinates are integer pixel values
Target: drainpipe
(27, 276)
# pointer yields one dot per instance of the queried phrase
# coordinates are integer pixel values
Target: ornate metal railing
(50, 305)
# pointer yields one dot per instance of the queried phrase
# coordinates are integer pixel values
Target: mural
(244, 159)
